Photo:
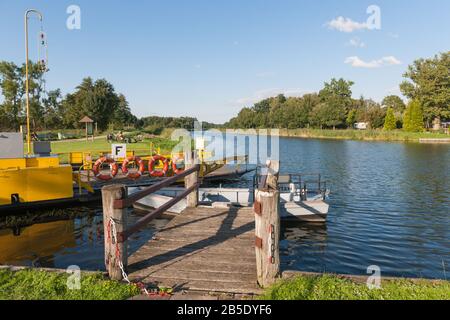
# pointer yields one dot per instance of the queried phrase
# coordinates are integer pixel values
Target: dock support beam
(267, 226)
(191, 180)
(114, 220)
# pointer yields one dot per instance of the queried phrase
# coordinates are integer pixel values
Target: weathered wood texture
(205, 249)
(114, 252)
(267, 227)
(189, 181)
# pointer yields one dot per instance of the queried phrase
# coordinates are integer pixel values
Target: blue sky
(208, 59)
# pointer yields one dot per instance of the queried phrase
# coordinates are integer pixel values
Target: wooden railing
(115, 203)
(142, 222)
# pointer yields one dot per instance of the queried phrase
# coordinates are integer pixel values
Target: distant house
(361, 125)
(437, 124)
(446, 127)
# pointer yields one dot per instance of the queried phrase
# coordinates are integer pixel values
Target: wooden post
(190, 180)
(114, 252)
(267, 227)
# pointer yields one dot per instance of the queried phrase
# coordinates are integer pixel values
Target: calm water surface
(64, 243)
(389, 206)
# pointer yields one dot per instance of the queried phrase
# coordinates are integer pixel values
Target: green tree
(429, 83)
(97, 100)
(52, 109)
(336, 98)
(413, 117)
(12, 85)
(394, 102)
(351, 118)
(389, 122)
(123, 115)
(337, 90)
(328, 115)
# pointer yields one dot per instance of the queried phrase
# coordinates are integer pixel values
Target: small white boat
(315, 211)
(293, 204)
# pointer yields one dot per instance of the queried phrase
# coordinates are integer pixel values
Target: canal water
(389, 207)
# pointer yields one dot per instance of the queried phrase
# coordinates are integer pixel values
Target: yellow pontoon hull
(34, 179)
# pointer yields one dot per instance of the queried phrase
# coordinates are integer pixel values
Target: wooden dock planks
(203, 249)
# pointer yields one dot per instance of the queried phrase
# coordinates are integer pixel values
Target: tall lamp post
(26, 76)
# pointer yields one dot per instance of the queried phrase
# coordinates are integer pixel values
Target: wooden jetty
(203, 249)
(222, 250)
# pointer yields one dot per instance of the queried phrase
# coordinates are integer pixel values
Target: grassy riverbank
(29, 284)
(101, 145)
(64, 147)
(330, 287)
(43, 285)
(365, 135)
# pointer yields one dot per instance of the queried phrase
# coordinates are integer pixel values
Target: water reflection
(59, 244)
(36, 244)
(294, 236)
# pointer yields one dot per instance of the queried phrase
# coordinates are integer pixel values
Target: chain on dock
(113, 241)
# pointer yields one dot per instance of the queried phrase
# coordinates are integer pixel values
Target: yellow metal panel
(76, 157)
(12, 163)
(49, 183)
(12, 182)
(45, 162)
(36, 184)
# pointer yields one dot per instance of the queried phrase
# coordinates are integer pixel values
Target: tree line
(156, 124)
(50, 110)
(426, 85)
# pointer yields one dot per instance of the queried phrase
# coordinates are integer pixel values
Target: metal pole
(26, 77)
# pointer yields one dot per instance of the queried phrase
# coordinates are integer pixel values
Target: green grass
(63, 148)
(100, 145)
(42, 285)
(372, 135)
(329, 287)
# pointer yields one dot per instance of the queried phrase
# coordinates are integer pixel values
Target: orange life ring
(175, 169)
(151, 166)
(133, 175)
(113, 167)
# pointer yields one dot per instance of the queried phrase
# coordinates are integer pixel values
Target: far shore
(363, 135)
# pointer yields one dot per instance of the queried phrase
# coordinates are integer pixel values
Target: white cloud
(346, 25)
(268, 93)
(356, 42)
(385, 61)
